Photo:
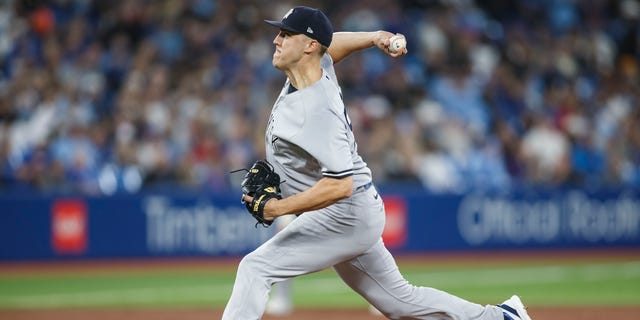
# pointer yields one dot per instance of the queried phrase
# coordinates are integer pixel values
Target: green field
(546, 283)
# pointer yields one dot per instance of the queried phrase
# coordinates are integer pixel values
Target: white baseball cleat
(513, 309)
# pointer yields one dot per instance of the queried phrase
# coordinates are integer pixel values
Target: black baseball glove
(262, 183)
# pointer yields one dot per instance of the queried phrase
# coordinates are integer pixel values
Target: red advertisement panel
(395, 229)
(69, 226)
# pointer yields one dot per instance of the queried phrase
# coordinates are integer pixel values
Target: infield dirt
(540, 313)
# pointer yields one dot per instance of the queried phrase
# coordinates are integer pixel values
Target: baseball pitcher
(313, 170)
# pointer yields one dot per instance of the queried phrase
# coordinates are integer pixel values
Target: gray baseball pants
(347, 237)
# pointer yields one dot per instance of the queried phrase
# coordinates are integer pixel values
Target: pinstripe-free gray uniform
(309, 137)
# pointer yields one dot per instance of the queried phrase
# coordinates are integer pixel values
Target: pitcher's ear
(313, 45)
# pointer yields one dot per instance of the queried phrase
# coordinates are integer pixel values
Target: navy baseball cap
(309, 21)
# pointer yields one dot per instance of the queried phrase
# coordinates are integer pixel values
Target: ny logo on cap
(287, 14)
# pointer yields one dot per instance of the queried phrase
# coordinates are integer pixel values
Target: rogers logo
(69, 226)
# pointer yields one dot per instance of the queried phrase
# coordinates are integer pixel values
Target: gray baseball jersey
(309, 137)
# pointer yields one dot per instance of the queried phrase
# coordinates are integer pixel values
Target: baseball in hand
(397, 43)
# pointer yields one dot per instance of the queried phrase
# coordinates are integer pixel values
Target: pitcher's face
(289, 49)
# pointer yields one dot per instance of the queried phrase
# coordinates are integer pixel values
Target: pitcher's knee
(258, 266)
(251, 265)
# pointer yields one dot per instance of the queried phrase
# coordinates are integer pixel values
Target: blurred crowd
(104, 97)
